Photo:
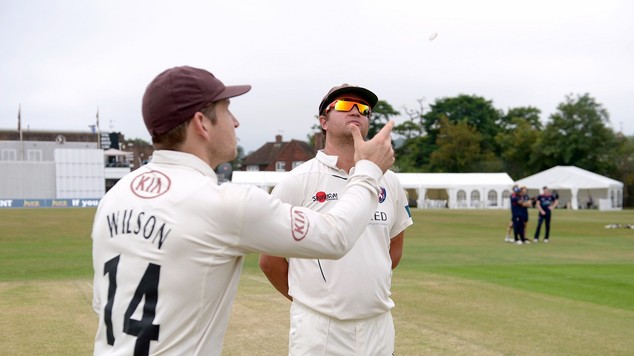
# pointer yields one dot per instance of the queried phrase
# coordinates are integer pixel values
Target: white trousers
(314, 334)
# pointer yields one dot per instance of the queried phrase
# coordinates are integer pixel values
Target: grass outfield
(459, 290)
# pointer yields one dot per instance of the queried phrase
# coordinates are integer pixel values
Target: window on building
(34, 155)
(253, 167)
(280, 166)
(9, 154)
(297, 163)
(492, 197)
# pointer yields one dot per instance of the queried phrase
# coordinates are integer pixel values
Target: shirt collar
(330, 161)
(169, 157)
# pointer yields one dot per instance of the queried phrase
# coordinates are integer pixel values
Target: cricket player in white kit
(168, 241)
(342, 307)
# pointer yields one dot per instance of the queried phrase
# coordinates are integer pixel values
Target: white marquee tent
(428, 190)
(577, 188)
(458, 190)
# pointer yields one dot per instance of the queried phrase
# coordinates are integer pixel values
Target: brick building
(281, 156)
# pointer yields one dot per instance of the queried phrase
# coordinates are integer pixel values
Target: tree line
(467, 133)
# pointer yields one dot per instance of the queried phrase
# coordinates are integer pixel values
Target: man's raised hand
(378, 150)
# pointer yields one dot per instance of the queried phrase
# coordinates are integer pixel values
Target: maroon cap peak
(175, 95)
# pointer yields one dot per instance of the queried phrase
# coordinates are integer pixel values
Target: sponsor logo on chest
(322, 196)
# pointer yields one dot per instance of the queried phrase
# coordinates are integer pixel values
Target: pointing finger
(356, 134)
(387, 129)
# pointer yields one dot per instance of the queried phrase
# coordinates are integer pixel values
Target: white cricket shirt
(357, 285)
(168, 245)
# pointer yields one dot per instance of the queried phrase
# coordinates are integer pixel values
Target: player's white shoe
(545, 241)
(508, 239)
(519, 242)
(535, 240)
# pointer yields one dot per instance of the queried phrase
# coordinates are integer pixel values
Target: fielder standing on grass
(342, 307)
(546, 202)
(519, 211)
(168, 241)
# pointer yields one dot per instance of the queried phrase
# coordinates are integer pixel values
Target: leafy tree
(458, 147)
(520, 132)
(422, 129)
(381, 114)
(408, 130)
(476, 111)
(414, 126)
(577, 135)
(413, 155)
(529, 114)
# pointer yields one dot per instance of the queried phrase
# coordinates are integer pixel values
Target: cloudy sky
(62, 60)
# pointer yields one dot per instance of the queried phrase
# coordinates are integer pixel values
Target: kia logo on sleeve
(299, 224)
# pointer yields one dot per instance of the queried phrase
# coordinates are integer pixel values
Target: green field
(459, 290)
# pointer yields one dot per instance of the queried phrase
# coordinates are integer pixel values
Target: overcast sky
(62, 60)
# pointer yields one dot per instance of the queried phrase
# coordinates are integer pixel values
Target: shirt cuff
(368, 168)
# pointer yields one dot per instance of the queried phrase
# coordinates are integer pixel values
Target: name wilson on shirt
(138, 224)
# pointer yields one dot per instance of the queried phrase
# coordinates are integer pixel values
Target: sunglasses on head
(347, 105)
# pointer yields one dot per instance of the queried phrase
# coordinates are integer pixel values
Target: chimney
(278, 138)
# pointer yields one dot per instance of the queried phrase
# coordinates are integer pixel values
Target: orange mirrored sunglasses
(345, 105)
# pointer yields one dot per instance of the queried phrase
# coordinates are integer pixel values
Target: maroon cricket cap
(175, 95)
(337, 91)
